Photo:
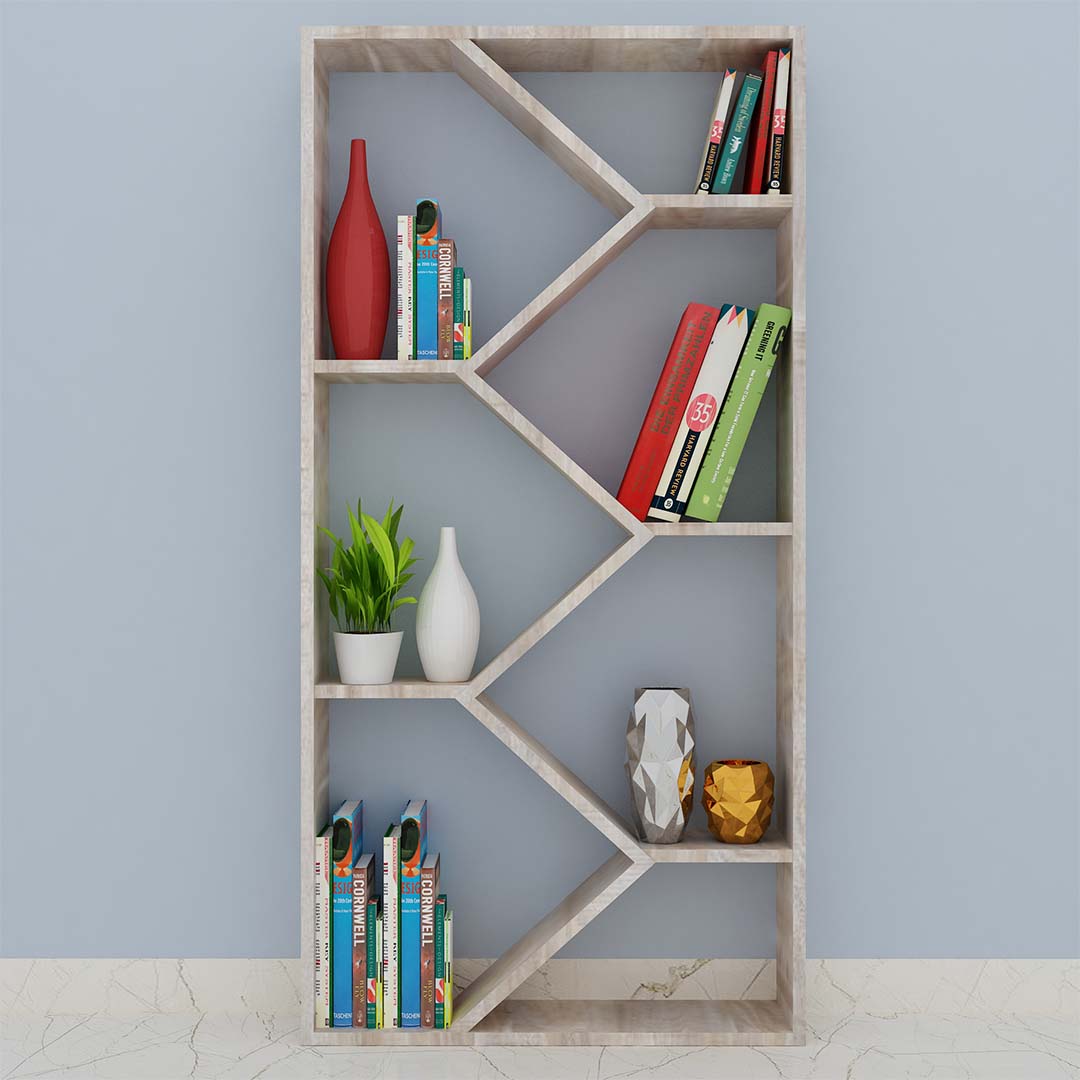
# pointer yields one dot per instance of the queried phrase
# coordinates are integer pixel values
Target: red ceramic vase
(357, 269)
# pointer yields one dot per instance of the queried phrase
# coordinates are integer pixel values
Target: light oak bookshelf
(486, 57)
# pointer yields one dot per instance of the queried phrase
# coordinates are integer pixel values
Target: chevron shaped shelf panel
(485, 57)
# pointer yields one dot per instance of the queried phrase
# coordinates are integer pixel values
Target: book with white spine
(322, 928)
(699, 419)
(405, 287)
(778, 132)
(710, 156)
(391, 850)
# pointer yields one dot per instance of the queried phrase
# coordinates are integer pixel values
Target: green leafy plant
(364, 578)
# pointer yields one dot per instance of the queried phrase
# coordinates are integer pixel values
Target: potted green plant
(362, 585)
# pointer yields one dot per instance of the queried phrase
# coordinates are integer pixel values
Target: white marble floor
(235, 1020)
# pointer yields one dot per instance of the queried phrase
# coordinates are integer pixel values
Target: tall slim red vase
(357, 269)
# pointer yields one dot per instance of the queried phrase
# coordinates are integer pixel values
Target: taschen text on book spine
(347, 840)
(429, 890)
(413, 853)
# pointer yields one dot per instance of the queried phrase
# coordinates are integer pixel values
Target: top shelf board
(548, 48)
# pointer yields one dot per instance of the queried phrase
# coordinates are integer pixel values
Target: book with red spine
(429, 892)
(445, 297)
(363, 884)
(755, 171)
(666, 408)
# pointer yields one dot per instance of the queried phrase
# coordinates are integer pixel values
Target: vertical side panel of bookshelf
(791, 566)
(314, 454)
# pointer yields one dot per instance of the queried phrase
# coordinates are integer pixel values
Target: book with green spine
(737, 135)
(440, 960)
(371, 982)
(737, 414)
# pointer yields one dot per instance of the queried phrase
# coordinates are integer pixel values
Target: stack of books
(381, 961)
(701, 412)
(750, 108)
(434, 315)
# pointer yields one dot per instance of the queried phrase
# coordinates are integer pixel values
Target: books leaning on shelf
(434, 309)
(702, 410)
(381, 962)
(744, 146)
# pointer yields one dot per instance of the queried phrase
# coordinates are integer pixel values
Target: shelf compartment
(718, 211)
(388, 371)
(402, 688)
(700, 846)
(639, 1022)
(719, 528)
(647, 1022)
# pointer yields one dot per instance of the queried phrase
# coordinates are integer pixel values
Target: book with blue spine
(346, 842)
(426, 279)
(737, 135)
(413, 853)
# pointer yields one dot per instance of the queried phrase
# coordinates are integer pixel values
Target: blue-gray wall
(150, 491)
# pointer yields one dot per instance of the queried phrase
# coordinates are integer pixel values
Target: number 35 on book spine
(688, 450)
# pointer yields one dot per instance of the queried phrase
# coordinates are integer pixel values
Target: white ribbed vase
(447, 617)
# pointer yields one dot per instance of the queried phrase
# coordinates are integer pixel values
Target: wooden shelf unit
(485, 57)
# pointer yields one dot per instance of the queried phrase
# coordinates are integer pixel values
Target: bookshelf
(485, 58)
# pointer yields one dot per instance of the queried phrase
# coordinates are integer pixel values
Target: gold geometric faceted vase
(738, 800)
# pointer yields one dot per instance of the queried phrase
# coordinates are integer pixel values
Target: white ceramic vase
(367, 659)
(447, 617)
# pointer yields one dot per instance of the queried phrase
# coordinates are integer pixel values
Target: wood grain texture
(314, 725)
(542, 127)
(719, 528)
(556, 613)
(555, 774)
(549, 48)
(700, 846)
(791, 570)
(718, 211)
(638, 1023)
(413, 689)
(483, 1016)
(564, 288)
(549, 935)
(387, 371)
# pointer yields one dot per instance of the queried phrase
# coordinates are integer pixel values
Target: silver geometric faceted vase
(660, 763)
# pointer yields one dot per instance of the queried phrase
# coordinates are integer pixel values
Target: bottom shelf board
(598, 1023)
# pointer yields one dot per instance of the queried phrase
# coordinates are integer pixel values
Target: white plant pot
(365, 659)
(447, 617)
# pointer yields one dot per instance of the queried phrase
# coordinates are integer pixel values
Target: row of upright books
(434, 315)
(744, 150)
(381, 961)
(701, 412)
